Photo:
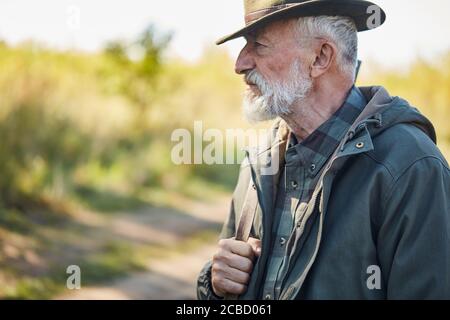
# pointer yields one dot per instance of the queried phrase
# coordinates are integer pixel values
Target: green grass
(116, 260)
(15, 221)
(32, 288)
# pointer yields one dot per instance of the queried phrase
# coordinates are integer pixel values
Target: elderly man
(359, 206)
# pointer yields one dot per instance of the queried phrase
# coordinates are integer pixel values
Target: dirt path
(169, 278)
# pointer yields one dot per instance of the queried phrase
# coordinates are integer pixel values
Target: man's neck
(310, 113)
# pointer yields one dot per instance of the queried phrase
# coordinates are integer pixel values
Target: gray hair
(341, 31)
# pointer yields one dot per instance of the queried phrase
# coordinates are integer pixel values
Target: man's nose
(244, 62)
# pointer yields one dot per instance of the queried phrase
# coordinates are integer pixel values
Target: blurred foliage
(138, 63)
(91, 124)
(426, 85)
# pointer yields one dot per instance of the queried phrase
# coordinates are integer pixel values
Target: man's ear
(325, 55)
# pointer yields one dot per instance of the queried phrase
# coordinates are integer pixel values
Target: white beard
(276, 99)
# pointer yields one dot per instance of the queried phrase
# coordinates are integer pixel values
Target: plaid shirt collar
(314, 151)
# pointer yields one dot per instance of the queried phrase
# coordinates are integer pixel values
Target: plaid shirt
(304, 162)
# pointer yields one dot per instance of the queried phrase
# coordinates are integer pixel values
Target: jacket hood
(391, 111)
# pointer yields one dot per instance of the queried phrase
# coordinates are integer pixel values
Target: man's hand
(232, 265)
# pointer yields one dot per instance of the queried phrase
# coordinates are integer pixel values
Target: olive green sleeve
(414, 238)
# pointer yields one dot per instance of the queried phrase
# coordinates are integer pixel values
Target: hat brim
(355, 9)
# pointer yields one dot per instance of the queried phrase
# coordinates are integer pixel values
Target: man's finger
(238, 247)
(240, 263)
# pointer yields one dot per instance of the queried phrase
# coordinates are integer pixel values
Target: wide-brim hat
(365, 14)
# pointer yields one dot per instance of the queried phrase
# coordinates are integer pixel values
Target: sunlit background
(90, 92)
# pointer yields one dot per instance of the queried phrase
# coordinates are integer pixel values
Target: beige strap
(248, 214)
(246, 220)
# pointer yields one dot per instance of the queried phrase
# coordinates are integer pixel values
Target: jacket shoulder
(402, 145)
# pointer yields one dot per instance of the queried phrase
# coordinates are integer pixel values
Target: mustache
(254, 78)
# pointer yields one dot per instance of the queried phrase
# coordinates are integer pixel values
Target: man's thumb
(256, 245)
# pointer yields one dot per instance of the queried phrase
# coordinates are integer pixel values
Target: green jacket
(384, 209)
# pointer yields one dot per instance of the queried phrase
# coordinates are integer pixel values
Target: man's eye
(259, 44)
